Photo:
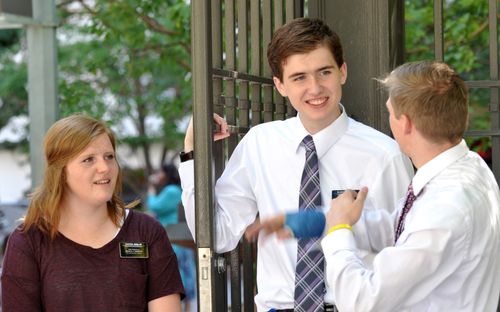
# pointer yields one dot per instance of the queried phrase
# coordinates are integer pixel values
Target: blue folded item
(306, 223)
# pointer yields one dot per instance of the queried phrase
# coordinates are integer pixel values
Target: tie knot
(309, 143)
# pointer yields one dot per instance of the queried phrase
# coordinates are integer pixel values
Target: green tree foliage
(466, 49)
(128, 59)
(13, 95)
(119, 60)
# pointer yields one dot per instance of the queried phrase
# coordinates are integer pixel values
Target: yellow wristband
(338, 227)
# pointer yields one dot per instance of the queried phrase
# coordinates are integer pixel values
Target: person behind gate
(280, 165)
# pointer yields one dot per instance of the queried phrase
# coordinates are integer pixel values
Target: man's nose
(314, 85)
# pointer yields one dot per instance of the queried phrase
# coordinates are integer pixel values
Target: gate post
(202, 122)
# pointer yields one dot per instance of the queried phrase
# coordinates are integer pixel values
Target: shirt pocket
(132, 290)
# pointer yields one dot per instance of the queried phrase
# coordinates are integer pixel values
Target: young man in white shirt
(444, 255)
(263, 175)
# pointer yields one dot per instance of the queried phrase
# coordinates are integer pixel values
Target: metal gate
(231, 77)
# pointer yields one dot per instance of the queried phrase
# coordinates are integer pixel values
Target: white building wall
(15, 176)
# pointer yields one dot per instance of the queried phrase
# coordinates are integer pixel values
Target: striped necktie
(309, 272)
(410, 198)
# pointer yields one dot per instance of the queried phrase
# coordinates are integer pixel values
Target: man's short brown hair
(299, 36)
(433, 96)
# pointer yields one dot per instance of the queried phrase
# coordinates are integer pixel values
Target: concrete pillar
(42, 81)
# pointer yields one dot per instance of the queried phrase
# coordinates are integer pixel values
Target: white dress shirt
(447, 257)
(263, 176)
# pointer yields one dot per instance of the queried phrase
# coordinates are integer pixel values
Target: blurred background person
(164, 200)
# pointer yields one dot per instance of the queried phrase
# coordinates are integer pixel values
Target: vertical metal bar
(266, 38)
(230, 106)
(438, 30)
(234, 259)
(42, 82)
(249, 276)
(244, 121)
(317, 8)
(390, 35)
(219, 278)
(217, 54)
(202, 110)
(278, 14)
(299, 8)
(281, 103)
(218, 147)
(289, 10)
(256, 60)
(230, 64)
(289, 15)
(494, 92)
(243, 102)
(397, 33)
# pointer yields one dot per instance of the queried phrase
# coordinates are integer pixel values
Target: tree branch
(154, 25)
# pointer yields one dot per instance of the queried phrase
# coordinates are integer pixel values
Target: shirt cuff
(342, 239)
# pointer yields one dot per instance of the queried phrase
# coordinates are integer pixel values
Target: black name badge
(134, 250)
(336, 193)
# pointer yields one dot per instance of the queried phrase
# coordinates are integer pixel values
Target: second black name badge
(336, 193)
(134, 250)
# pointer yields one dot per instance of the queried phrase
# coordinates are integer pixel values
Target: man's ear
(407, 124)
(343, 73)
(279, 86)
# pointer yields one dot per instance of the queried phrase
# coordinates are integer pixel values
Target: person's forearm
(306, 223)
(166, 303)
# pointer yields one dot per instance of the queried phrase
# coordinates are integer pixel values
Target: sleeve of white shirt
(235, 201)
(401, 276)
(384, 194)
(186, 173)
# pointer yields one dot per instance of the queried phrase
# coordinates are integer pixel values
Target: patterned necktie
(410, 198)
(309, 275)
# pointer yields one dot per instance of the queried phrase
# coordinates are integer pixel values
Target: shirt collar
(438, 164)
(326, 138)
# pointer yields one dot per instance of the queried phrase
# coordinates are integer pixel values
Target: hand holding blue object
(306, 223)
(309, 223)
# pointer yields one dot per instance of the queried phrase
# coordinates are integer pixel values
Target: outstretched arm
(345, 209)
